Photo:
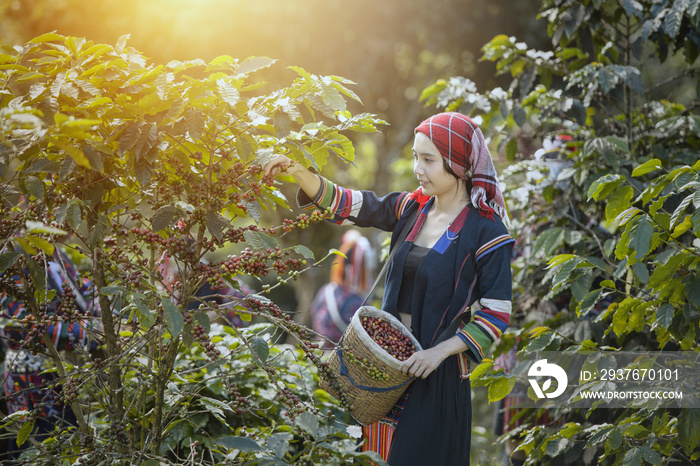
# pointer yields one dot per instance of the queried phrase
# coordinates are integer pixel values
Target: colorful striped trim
(464, 366)
(497, 305)
(493, 245)
(343, 202)
(489, 328)
(378, 436)
(475, 339)
(419, 222)
(401, 205)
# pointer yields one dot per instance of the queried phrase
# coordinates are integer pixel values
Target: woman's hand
(423, 363)
(307, 181)
(282, 163)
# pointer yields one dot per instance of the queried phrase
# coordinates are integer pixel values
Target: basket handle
(344, 372)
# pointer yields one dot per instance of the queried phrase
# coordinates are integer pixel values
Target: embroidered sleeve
(362, 208)
(491, 313)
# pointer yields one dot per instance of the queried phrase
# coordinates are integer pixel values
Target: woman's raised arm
(307, 181)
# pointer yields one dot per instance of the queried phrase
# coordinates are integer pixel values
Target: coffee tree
(140, 172)
(610, 228)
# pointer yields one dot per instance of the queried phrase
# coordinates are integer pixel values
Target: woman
(453, 268)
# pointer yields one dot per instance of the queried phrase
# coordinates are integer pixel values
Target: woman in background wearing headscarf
(351, 279)
(451, 275)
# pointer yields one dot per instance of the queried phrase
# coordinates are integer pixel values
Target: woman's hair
(449, 170)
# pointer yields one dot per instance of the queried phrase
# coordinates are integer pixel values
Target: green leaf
(279, 443)
(559, 259)
(556, 447)
(163, 217)
(673, 18)
(35, 187)
(233, 442)
(541, 342)
(194, 120)
(633, 457)
(41, 244)
(308, 422)
(520, 118)
(500, 388)
(98, 232)
(663, 273)
(176, 109)
(640, 239)
(8, 259)
(651, 456)
(689, 429)
(618, 202)
(680, 210)
(626, 215)
(75, 153)
(173, 317)
(260, 348)
(24, 432)
(633, 8)
(252, 64)
(647, 167)
(621, 316)
(203, 319)
(146, 317)
(511, 149)
(258, 240)
(589, 302)
(49, 37)
(485, 366)
(39, 228)
(112, 290)
(332, 98)
(600, 433)
(692, 289)
(73, 214)
(216, 224)
(604, 186)
(614, 440)
(228, 92)
(617, 143)
(305, 252)
(563, 274)
(215, 407)
(548, 242)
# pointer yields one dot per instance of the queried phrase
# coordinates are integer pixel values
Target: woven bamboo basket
(369, 399)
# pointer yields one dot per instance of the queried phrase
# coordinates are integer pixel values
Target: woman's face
(429, 168)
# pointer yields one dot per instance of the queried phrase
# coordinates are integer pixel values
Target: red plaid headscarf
(461, 143)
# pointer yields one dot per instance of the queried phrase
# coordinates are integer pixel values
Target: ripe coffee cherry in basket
(391, 339)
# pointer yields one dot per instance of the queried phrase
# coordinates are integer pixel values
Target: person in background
(350, 281)
(26, 386)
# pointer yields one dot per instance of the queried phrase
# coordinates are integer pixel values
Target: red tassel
(419, 197)
(486, 213)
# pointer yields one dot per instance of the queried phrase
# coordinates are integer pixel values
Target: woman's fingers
(421, 364)
(278, 163)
